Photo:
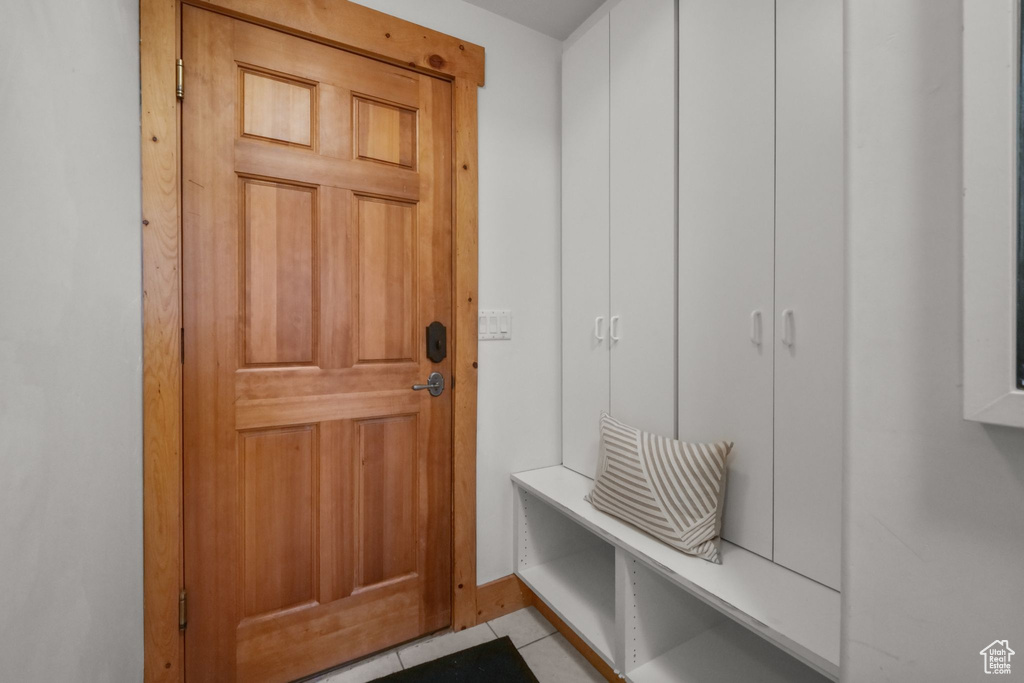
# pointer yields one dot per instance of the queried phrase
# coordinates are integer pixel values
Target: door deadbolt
(437, 342)
(435, 384)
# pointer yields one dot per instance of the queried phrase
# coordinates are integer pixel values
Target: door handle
(435, 384)
(613, 328)
(788, 327)
(599, 328)
(756, 328)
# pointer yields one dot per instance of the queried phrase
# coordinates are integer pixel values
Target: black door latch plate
(437, 342)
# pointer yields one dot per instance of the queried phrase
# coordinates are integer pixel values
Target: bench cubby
(656, 615)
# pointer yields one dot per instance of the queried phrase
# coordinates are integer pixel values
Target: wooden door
(726, 248)
(809, 281)
(317, 208)
(584, 246)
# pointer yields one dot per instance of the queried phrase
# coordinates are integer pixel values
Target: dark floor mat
(496, 661)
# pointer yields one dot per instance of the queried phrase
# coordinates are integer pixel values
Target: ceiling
(556, 18)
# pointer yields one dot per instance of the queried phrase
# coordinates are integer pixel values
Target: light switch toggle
(495, 324)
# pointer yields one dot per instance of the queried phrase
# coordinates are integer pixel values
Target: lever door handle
(435, 384)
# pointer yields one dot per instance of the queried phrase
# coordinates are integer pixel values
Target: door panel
(385, 132)
(387, 499)
(317, 247)
(585, 131)
(726, 248)
(643, 213)
(278, 109)
(387, 279)
(278, 514)
(278, 219)
(810, 281)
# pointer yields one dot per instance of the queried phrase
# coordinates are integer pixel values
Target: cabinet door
(584, 246)
(726, 245)
(810, 283)
(643, 220)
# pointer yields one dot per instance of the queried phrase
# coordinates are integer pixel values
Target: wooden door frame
(358, 29)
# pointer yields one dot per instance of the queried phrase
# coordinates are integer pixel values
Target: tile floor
(548, 654)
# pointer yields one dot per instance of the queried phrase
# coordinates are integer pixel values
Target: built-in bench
(655, 614)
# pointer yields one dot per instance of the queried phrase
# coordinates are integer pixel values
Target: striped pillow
(671, 489)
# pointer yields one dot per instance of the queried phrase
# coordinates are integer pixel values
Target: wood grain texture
(387, 280)
(385, 132)
(465, 379)
(500, 597)
(211, 253)
(278, 109)
(259, 159)
(279, 320)
(161, 311)
(373, 33)
(269, 557)
(436, 278)
(388, 493)
(278, 480)
(363, 31)
(268, 650)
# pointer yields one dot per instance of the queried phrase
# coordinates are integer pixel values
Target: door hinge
(181, 345)
(180, 89)
(182, 612)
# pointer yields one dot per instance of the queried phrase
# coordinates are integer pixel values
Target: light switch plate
(494, 324)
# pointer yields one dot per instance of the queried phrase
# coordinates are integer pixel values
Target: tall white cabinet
(585, 245)
(643, 213)
(618, 226)
(761, 266)
(726, 242)
(809, 284)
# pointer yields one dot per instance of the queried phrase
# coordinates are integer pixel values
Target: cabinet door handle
(788, 327)
(599, 328)
(613, 329)
(756, 328)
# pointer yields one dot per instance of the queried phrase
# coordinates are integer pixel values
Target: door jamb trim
(365, 31)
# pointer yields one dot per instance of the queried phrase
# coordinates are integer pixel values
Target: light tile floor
(548, 654)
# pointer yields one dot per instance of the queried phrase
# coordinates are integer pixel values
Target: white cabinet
(726, 242)
(809, 281)
(585, 276)
(618, 226)
(761, 267)
(643, 213)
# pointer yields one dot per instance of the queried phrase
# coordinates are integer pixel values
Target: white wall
(70, 343)
(520, 380)
(934, 528)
